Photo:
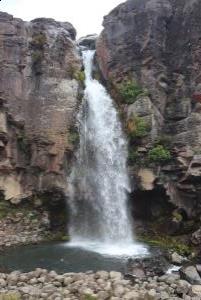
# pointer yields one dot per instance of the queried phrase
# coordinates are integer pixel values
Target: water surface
(60, 257)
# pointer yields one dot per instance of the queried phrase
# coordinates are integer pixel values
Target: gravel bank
(41, 284)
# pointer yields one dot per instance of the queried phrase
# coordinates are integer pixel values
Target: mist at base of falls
(99, 183)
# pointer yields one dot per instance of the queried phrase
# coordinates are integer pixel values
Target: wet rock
(196, 237)
(190, 274)
(177, 259)
(169, 278)
(198, 268)
(150, 266)
(138, 272)
(88, 42)
(133, 47)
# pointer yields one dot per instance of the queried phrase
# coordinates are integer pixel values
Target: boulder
(196, 290)
(190, 274)
(177, 259)
(196, 237)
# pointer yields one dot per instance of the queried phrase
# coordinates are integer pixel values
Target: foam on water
(117, 250)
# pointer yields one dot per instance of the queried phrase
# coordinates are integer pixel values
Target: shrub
(133, 156)
(79, 76)
(38, 41)
(177, 216)
(167, 242)
(37, 57)
(89, 297)
(73, 137)
(23, 143)
(137, 127)
(129, 91)
(10, 296)
(159, 154)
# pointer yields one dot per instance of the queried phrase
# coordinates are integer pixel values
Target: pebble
(101, 285)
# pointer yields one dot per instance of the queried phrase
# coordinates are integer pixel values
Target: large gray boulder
(190, 274)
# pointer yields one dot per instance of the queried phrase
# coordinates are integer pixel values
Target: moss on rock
(167, 242)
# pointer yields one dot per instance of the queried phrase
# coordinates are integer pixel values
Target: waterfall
(99, 179)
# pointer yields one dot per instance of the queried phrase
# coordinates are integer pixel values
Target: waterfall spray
(99, 179)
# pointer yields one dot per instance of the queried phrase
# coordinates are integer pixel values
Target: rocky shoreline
(102, 285)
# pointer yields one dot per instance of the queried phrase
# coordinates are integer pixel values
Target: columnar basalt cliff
(39, 95)
(149, 55)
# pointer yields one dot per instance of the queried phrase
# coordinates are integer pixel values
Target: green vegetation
(73, 137)
(23, 144)
(197, 152)
(133, 156)
(65, 238)
(89, 297)
(130, 90)
(57, 236)
(167, 242)
(10, 296)
(37, 46)
(177, 216)
(36, 57)
(4, 209)
(79, 76)
(137, 127)
(159, 154)
(38, 41)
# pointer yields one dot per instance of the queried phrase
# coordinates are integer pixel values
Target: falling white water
(99, 181)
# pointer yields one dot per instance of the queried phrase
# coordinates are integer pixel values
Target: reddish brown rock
(38, 98)
(157, 44)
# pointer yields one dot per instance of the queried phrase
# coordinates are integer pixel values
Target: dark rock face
(38, 98)
(88, 42)
(157, 43)
(156, 265)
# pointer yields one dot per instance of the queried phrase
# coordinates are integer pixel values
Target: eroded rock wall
(157, 45)
(39, 96)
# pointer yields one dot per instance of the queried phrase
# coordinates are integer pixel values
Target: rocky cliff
(39, 95)
(149, 57)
